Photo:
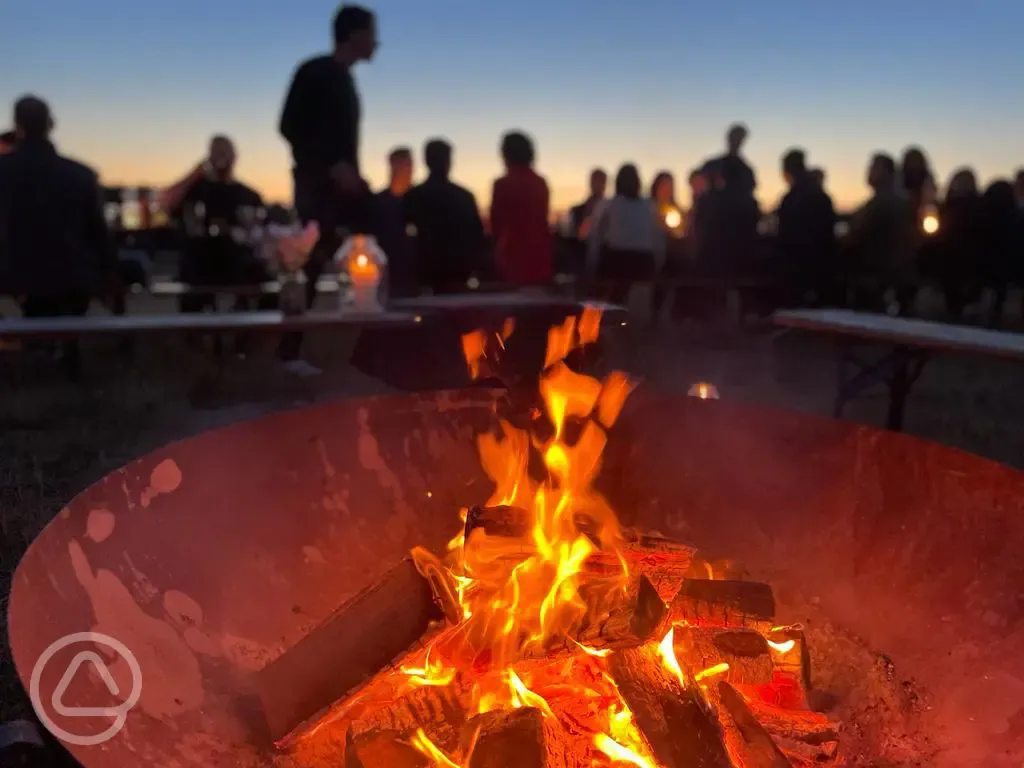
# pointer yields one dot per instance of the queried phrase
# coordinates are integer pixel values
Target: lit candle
(364, 263)
(930, 220)
(704, 391)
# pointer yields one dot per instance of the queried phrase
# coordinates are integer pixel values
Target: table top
(905, 331)
(200, 321)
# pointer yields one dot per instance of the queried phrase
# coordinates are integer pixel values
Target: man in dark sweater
(56, 252)
(391, 225)
(320, 120)
(805, 245)
(449, 232)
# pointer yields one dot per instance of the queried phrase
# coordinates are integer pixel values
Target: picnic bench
(906, 346)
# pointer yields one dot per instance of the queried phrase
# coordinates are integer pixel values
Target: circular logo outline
(120, 712)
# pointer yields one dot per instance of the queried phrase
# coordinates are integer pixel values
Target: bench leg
(898, 369)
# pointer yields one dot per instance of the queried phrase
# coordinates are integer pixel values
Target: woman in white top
(626, 242)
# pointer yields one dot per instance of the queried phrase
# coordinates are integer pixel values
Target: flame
(667, 651)
(785, 647)
(520, 596)
(718, 669)
(425, 746)
(620, 754)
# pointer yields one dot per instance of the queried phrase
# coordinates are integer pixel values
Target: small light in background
(704, 391)
(673, 218)
(473, 283)
(930, 220)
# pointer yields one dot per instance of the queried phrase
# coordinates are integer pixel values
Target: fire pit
(853, 594)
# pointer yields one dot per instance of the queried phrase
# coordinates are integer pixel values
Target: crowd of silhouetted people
(56, 250)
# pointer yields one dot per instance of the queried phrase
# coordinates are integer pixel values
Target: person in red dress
(520, 206)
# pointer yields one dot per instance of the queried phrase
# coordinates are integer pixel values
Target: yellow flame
(620, 754)
(667, 651)
(431, 673)
(595, 652)
(524, 697)
(785, 647)
(426, 747)
(718, 669)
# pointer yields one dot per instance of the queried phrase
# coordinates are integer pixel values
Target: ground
(56, 438)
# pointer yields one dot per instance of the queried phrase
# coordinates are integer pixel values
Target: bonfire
(563, 639)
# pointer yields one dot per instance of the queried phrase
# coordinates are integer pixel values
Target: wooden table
(906, 344)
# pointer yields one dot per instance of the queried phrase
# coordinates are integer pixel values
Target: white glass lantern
(361, 259)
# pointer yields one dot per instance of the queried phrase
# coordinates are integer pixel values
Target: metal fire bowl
(208, 558)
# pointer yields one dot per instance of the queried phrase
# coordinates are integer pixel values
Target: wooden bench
(907, 345)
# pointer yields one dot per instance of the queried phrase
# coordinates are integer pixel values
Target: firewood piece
(616, 617)
(509, 522)
(799, 724)
(664, 562)
(748, 742)
(355, 642)
(434, 707)
(442, 584)
(802, 754)
(382, 749)
(676, 722)
(795, 662)
(704, 602)
(745, 651)
(522, 737)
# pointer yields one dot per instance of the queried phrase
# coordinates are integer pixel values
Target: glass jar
(363, 261)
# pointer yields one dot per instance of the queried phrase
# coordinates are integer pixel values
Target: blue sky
(138, 87)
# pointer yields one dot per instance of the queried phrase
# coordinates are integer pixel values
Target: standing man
(391, 224)
(216, 212)
(579, 215)
(732, 162)
(56, 252)
(320, 120)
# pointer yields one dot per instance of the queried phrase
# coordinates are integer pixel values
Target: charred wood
(745, 651)
(524, 738)
(749, 744)
(677, 723)
(734, 604)
(360, 638)
(382, 749)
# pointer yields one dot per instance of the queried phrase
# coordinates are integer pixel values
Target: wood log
(678, 725)
(360, 638)
(524, 738)
(802, 754)
(615, 617)
(734, 604)
(744, 650)
(795, 662)
(796, 724)
(509, 522)
(748, 743)
(436, 708)
(664, 562)
(382, 749)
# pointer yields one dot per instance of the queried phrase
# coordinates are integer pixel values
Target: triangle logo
(98, 664)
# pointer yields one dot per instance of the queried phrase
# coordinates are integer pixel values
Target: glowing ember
(785, 647)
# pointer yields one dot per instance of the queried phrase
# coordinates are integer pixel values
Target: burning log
(382, 749)
(437, 708)
(629, 617)
(359, 639)
(789, 649)
(741, 604)
(521, 737)
(510, 522)
(749, 744)
(664, 562)
(745, 651)
(801, 734)
(676, 722)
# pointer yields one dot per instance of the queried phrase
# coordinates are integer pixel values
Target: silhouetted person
(805, 241)
(7, 140)
(698, 186)
(1002, 241)
(56, 252)
(1018, 187)
(672, 220)
(392, 224)
(817, 176)
(732, 161)
(320, 120)
(880, 243)
(520, 216)
(449, 232)
(216, 213)
(725, 220)
(917, 180)
(959, 267)
(626, 241)
(580, 215)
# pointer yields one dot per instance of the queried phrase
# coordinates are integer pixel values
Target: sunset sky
(138, 87)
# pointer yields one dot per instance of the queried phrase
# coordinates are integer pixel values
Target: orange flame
(667, 651)
(620, 754)
(425, 746)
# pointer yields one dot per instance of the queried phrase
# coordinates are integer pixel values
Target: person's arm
(293, 123)
(475, 233)
(497, 217)
(171, 198)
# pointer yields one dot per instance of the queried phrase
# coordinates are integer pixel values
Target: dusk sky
(138, 87)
